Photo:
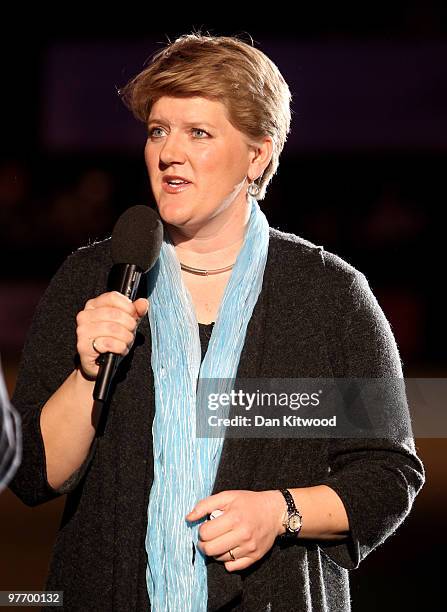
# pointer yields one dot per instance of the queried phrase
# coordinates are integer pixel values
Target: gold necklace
(201, 272)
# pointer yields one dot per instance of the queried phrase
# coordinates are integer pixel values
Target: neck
(214, 245)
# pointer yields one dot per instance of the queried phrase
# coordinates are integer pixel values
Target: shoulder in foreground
(302, 253)
(97, 252)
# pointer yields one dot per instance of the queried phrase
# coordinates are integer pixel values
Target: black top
(205, 331)
(315, 317)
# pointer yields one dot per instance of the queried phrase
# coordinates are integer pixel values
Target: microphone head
(137, 237)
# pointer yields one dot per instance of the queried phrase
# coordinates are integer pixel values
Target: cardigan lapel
(225, 588)
(250, 364)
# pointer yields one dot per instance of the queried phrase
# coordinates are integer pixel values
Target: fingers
(111, 321)
(108, 336)
(208, 504)
(237, 555)
(241, 538)
(225, 532)
(245, 527)
(219, 547)
(141, 306)
(241, 543)
(213, 528)
(112, 299)
(117, 301)
(107, 314)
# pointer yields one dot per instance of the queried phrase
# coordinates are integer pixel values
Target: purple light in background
(347, 96)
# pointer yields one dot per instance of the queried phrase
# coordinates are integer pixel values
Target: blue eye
(151, 132)
(200, 134)
(199, 130)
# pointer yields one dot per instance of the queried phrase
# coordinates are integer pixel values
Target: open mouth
(175, 185)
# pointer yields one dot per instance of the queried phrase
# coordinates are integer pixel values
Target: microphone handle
(124, 278)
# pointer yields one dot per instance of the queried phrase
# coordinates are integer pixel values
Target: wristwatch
(292, 520)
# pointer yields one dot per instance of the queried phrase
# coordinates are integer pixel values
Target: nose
(172, 150)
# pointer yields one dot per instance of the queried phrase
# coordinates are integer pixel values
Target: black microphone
(136, 243)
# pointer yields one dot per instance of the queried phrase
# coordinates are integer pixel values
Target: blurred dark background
(363, 173)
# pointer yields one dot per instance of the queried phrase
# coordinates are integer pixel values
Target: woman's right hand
(111, 321)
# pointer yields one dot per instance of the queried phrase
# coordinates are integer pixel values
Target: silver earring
(253, 189)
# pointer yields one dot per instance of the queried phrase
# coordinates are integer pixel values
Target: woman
(264, 304)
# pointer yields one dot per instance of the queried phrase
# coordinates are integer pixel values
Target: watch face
(294, 522)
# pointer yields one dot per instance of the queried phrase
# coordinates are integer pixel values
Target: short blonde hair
(222, 68)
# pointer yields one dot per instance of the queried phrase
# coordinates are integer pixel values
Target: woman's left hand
(250, 522)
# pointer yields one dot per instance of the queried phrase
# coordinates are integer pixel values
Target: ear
(260, 156)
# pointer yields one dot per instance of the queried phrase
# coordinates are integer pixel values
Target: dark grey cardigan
(315, 317)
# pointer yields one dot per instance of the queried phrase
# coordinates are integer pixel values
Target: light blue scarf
(185, 466)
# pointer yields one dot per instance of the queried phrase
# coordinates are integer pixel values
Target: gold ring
(230, 552)
(94, 347)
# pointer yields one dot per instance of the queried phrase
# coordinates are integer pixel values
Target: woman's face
(191, 138)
